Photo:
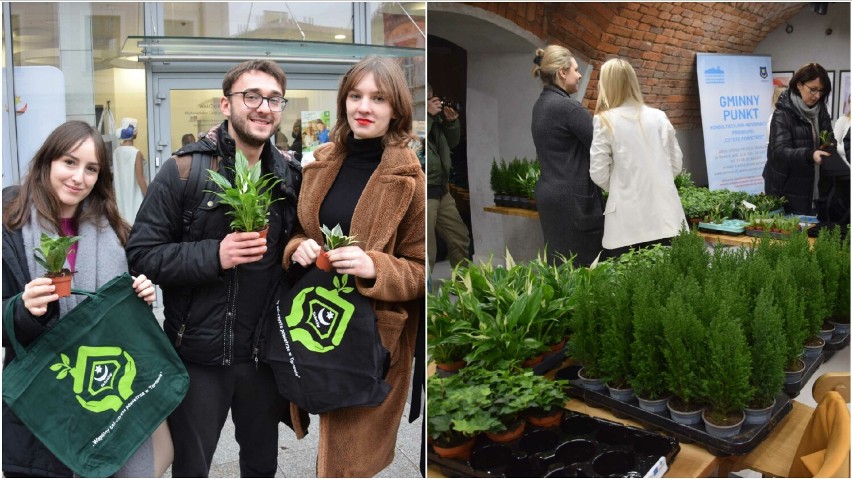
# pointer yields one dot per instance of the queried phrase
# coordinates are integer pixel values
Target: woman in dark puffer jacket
(792, 169)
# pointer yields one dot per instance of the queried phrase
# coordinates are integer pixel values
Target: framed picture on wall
(781, 79)
(829, 102)
(843, 91)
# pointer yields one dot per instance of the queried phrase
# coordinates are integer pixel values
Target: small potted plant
(334, 238)
(826, 143)
(547, 403)
(825, 137)
(457, 413)
(52, 255)
(249, 197)
(447, 329)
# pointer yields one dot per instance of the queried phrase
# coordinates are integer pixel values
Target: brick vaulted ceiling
(659, 39)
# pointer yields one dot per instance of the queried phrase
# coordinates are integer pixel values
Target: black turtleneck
(362, 160)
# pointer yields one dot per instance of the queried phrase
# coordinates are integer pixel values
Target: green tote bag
(95, 386)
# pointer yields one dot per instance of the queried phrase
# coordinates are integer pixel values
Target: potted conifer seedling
(52, 255)
(334, 238)
(249, 197)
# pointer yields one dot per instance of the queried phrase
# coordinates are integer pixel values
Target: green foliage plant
(766, 337)
(728, 367)
(457, 409)
(334, 238)
(591, 303)
(684, 346)
(249, 197)
(825, 138)
(448, 327)
(684, 180)
(496, 186)
(841, 303)
(547, 395)
(52, 253)
(828, 256)
(792, 306)
(689, 256)
(616, 365)
(648, 359)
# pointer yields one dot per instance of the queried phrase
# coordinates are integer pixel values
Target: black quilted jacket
(789, 169)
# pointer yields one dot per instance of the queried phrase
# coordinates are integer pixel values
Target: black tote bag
(95, 386)
(323, 344)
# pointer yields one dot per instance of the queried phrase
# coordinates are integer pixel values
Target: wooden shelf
(505, 210)
(731, 240)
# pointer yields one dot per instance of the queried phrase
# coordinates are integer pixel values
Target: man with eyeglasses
(215, 282)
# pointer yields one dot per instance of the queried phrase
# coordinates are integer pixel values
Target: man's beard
(241, 130)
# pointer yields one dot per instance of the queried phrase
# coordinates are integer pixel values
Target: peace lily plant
(249, 197)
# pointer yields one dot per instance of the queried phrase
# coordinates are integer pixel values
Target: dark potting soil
(728, 420)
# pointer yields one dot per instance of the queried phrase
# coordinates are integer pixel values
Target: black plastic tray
(836, 343)
(749, 437)
(551, 361)
(543, 452)
(811, 365)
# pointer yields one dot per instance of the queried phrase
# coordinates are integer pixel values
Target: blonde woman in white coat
(635, 157)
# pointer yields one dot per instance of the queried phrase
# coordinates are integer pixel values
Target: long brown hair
(36, 190)
(391, 81)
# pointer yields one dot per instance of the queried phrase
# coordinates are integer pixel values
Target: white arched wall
(500, 96)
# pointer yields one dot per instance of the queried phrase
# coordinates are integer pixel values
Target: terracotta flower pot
(530, 362)
(508, 435)
(461, 451)
(62, 284)
(549, 420)
(556, 347)
(448, 369)
(264, 232)
(322, 262)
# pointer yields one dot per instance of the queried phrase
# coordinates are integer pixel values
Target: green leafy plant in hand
(52, 253)
(334, 238)
(249, 197)
(825, 137)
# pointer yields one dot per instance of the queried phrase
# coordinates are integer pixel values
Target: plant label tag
(749, 205)
(658, 469)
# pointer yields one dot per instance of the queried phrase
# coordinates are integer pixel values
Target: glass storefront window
(390, 24)
(197, 111)
(309, 21)
(68, 66)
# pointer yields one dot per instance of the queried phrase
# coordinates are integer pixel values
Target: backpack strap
(192, 169)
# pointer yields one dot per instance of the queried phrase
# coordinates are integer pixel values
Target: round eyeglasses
(254, 100)
(815, 91)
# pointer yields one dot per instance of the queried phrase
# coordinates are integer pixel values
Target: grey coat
(570, 205)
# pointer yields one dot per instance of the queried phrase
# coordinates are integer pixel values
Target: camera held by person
(455, 105)
(437, 105)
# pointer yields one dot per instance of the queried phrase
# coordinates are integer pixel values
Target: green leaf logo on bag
(319, 316)
(100, 372)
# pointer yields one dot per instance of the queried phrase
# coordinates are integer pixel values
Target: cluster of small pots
(515, 202)
(662, 406)
(578, 446)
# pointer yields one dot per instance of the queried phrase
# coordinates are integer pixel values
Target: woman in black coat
(570, 205)
(792, 168)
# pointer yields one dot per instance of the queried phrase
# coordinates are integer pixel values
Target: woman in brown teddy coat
(370, 183)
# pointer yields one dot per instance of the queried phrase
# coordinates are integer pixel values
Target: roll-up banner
(736, 100)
